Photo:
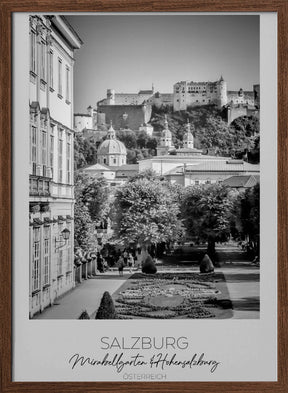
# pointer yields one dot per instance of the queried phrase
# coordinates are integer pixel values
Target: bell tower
(188, 139)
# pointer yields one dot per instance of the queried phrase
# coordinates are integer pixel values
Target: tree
(245, 131)
(85, 151)
(250, 125)
(206, 212)
(247, 216)
(152, 144)
(95, 196)
(83, 228)
(142, 139)
(106, 309)
(79, 153)
(91, 206)
(147, 213)
(128, 138)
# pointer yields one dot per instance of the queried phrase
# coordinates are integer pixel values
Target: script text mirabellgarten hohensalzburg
(159, 360)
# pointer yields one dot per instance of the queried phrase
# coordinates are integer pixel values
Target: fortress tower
(110, 97)
(222, 92)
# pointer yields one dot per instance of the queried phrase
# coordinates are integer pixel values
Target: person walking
(130, 262)
(120, 265)
(125, 256)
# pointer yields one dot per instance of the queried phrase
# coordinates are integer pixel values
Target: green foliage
(84, 315)
(95, 196)
(147, 213)
(247, 213)
(139, 146)
(250, 125)
(149, 266)
(91, 206)
(85, 151)
(206, 211)
(128, 137)
(211, 131)
(83, 229)
(148, 174)
(206, 265)
(106, 309)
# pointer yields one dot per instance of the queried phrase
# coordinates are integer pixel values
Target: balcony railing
(39, 186)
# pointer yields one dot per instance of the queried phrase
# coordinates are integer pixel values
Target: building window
(44, 148)
(67, 84)
(36, 260)
(33, 145)
(51, 76)
(43, 61)
(33, 51)
(68, 158)
(46, 254)
(51, 151)
(60, 77)
(60, 157)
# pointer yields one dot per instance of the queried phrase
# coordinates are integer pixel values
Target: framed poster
(142, 199)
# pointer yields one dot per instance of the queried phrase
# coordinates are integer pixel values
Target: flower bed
(167, 296)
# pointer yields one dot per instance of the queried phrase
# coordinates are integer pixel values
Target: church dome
(111, 145)
(111, 152)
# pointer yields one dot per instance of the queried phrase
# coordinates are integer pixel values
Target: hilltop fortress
(188, 93)
(133, 110)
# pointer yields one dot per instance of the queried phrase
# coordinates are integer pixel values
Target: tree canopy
(147, 213)
(91, 207)
(247, 213)
(206, 212)
(85, 151)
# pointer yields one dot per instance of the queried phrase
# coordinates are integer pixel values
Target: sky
(128, 53)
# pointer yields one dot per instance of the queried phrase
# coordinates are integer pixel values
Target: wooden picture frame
(10, 6)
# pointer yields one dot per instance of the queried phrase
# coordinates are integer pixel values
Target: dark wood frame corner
(7, 7)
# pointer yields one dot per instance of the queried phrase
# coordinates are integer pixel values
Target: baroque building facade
(51, 200)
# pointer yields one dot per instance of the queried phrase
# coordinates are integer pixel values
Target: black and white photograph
(144, 167)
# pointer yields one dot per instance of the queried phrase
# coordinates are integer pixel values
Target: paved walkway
(86, 296)
(242, 281)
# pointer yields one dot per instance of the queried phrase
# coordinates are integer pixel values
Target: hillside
(211, 131)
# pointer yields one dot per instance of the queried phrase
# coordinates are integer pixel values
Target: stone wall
(126, 116)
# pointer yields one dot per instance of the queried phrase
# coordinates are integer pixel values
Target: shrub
(106, 309)
(84, 315)
(149, 266)
(206, 265)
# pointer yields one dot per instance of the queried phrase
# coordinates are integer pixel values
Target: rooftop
(216, 166)
(242, 181)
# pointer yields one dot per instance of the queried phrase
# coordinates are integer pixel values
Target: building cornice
(66, 30)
